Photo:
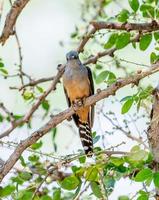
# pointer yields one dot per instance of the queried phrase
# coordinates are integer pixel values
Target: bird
(78, 85)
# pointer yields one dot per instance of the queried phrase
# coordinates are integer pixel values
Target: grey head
(72, 55)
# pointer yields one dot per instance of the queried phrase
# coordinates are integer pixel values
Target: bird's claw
(78, 103)
(69, 118)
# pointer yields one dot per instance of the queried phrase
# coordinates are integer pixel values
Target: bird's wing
(74, 116)
(67, 98)
(91, 115)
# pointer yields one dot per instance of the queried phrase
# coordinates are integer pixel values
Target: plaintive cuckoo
(78, 84)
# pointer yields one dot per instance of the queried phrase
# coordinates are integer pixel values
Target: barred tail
(86, 137)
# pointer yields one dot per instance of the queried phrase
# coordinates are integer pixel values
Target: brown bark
(11, 18)
(152, 26)
(153, 132)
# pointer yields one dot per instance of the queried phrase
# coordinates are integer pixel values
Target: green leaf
(70, 183)
(55, 147)
(145, 93)
(1, 118)
(45, 197)
(123, 197)
(25, 176)
(57, 194)
(153, 57)
(4, 71)
(96, 139)
(17, 180)
(145, 41)
(54, 132)
(91, 174)
(156, 2)
(127, 105)
(156, 36)
(79, 171)
(40, 89)
(74, 34)
(109, 183)
(96, 189)
(37, 145)
(156, 179)
(126, 98)
(140, 155)
(149, 181)
(137, 154)
(117, 161)
(17, 117)
(134, 45)
(99, 66)
(33, 158)
(134, 4)
(102, 76)
(111, 78)
(94, 134)
(122, 169)
(82, 159)
(111, 41)
(143, 175)
(135, 148)
(122, 40)
(45, 105)
(1, 65)
(147, 10)
(143, 197)
(7, 190)
(27, 95)
(157, 48)
(123, 15)
(24, 195)
(22, 161)
(75, 168)
(106, 76)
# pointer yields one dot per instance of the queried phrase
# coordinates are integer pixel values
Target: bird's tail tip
(86, 138)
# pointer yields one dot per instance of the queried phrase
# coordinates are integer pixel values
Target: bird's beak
(73, 57)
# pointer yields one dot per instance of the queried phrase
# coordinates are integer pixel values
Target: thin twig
(5, 110)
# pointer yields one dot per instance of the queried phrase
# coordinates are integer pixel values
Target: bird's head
(72, 55)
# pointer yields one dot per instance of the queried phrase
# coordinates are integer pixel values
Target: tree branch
(36, 82)
(11, 18)
(126, 133)
(85, 39)
(152, 26)
(153, 131)
(55, 120)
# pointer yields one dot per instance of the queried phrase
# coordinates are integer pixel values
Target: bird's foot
(78, 103)
(84, 101)
(69, 118)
